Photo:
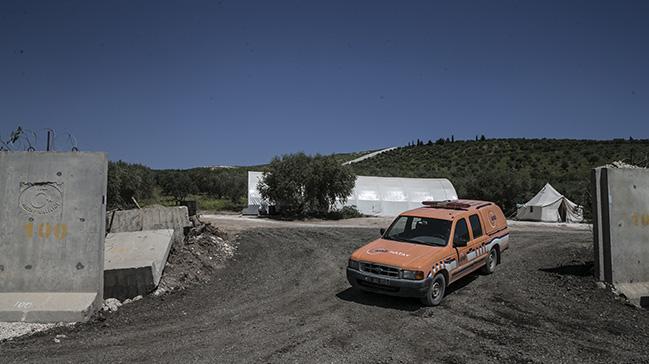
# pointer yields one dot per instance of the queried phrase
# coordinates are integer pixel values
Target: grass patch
(204, 203)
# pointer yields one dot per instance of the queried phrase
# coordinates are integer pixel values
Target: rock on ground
(10, 330)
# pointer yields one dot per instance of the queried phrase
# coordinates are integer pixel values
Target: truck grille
(380, 270)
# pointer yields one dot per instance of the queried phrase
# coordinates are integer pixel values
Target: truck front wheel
(491, 262)
(436, 291)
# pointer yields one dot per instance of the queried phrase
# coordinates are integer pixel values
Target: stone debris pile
(193, 261)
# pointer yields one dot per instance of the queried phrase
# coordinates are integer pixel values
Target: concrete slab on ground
(47, 306)
(134, 262)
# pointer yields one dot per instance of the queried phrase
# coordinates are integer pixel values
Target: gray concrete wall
(621, 229)
(628, 201)
(52, 223)
(596, 195)
(151, 218)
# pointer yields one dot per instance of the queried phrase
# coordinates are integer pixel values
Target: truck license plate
(384, 282)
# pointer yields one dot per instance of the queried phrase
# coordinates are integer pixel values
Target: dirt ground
(284, 298)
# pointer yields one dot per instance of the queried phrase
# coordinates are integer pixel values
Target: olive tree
(177, 184)
(127, 181)
(306, 185)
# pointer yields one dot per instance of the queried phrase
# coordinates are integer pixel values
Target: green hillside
(508, 171)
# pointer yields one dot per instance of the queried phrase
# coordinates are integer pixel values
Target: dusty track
(285, 299)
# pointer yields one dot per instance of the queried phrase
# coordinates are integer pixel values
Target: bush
(302, 185)
(346, 212)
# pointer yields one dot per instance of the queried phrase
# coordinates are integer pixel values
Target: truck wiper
(404, 240)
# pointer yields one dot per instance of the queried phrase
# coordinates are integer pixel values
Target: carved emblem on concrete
(41, 198)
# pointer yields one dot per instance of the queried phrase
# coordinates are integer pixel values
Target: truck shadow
(579, 270)
(379, 300)
(398, 303)
(461, 283)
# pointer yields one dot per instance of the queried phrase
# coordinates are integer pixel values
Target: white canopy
(390, 196)
(378, 196)
(551, 206)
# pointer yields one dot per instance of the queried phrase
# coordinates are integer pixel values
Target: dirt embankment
(195, 259)
(284, 298)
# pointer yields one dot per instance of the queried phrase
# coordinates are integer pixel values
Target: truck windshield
(419, 230)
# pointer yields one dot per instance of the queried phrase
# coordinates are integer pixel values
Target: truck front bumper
(387, 285)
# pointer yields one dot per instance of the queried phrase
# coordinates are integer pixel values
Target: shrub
(345, 212)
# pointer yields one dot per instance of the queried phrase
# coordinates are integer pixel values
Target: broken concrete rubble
(194, 260)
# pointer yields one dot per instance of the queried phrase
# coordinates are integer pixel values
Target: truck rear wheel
(491, 262)
(435, 292)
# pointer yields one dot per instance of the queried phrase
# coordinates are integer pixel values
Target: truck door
(478, 239)
(461, 240)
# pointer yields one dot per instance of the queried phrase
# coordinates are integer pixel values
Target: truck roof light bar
(449, 204)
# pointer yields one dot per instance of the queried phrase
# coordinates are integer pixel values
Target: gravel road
(284, 298)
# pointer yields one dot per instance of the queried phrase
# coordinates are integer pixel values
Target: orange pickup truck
(426, 249)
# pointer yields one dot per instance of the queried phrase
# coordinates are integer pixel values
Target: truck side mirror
(382, 231)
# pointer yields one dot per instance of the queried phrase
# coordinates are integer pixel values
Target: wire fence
(28, 140)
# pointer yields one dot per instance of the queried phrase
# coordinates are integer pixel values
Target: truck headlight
(352, 264)
(412, 274)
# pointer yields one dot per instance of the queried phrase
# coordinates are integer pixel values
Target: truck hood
(398, 254)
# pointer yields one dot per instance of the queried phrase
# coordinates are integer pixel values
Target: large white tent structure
(389, 196)
(551, 206)
(376, 196)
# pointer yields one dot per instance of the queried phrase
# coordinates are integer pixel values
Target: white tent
(551, 206)
(377, 196)
(389, 196)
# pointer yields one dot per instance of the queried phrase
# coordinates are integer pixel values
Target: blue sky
(182, 84)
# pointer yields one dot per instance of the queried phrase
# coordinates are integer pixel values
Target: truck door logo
(383, 250)
(377, 251)
(492, 219)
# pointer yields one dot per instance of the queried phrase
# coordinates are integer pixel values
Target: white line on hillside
(366, 156)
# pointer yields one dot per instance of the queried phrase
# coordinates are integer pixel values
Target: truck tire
(491, 262)
(435, 292)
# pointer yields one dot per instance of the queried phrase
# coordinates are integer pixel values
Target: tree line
(297, 184)
(506, 171)
(128, 181)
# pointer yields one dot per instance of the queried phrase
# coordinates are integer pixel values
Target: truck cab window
(461, 234)
(475, 226)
